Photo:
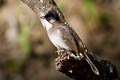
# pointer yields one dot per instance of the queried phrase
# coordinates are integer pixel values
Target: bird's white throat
(46, 24)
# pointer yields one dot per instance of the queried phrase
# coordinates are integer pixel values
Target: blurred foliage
(105, 18)
(62, 5)
(14, 66)
(24, 41)
(90, 8)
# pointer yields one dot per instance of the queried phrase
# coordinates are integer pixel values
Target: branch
(41, 7)
(67, 64)
(80, 69)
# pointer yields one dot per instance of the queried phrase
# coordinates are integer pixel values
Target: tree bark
(67, 64)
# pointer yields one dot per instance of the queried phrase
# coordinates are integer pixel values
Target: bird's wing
(82, 50)
(77, 39)
(68, 38)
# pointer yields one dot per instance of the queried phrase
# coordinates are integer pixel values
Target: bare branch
(43, 6)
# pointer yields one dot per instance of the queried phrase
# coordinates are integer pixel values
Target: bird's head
(52, 16)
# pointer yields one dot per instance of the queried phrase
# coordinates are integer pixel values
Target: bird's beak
(42, 17)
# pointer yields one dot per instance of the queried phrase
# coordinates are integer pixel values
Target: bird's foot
(76, 56)
(60, 51)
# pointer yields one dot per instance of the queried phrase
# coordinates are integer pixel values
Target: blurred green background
(26, 52)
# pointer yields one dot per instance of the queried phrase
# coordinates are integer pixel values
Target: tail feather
(93, 67)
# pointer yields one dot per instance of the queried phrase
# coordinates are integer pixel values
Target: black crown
(52, 14)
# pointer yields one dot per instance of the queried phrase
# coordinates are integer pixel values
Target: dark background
(26, 52)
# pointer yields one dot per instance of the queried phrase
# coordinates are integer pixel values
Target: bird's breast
(57, 39)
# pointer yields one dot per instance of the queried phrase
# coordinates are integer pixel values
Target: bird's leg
(80, 55)
(70, 54)
(60, 51)
(74, 55)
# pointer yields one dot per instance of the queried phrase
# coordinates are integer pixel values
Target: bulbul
(64, 37)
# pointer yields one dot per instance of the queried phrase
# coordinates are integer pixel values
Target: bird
(64, 37)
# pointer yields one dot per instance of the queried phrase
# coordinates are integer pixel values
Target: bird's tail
(93, 67)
